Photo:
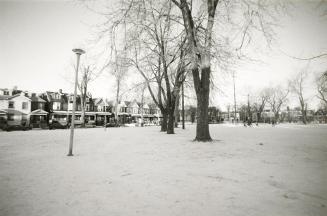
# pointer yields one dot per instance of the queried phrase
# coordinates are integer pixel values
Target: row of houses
(37, 110)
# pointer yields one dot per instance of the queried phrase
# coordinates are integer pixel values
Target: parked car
(3, 123)
(90, 124)
(55, 124)
(112, 124)
(11, 127)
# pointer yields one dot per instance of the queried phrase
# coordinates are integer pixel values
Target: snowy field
(274, 171)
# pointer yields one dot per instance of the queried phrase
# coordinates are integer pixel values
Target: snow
(259, 171)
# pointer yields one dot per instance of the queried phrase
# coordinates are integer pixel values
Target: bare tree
(199, 27)
(119, 72)
(200, 59)
(297, 86)
(160, 22)
(87, 77)
(321, 82)
(260, 102)
(277, 97)
(157, 52)
(176, 111)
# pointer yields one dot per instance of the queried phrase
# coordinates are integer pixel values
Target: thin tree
(157, 51)
(297, 87)
(277, 98)
(321, 83)
(87, 77)
(234, 91)
(260, 102)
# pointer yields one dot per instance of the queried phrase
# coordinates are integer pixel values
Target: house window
(56, 106)
(87, 107)
(6, 93)
(11, 117)
(24, 105)
(11, 104)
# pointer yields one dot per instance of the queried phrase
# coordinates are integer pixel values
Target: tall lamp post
(78, 53)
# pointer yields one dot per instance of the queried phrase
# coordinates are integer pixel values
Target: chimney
(60, 91)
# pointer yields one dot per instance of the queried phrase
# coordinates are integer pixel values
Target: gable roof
(39, 112)
(19, 95)
(15, 112)
(4, 97)
(133, 103)
(3, 112)
(98, 101)
(36, 98)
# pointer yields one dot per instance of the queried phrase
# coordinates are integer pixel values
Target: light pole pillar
(183, 108)
(78, 52)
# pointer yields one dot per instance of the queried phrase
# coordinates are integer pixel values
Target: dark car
(90, 124)
(22, 126)
(54, 124)
(112, 124)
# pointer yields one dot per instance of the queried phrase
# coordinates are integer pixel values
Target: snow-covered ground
(277, 171)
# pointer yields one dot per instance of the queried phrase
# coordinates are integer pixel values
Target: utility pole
(183, 110)
(234, 97)
(105, 116)
(78, 52)
(142, 104)
(249, 109)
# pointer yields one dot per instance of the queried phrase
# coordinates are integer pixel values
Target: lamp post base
(70, 154)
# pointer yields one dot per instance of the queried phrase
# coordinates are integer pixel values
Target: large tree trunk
(164, 121)
(304, 116)
(202, 93)
(258, 117)
(276, 115)
(83, 112)
(171, 117)
(83, 117)
(176, 111)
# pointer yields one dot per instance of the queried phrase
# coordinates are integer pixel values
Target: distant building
(22, 108)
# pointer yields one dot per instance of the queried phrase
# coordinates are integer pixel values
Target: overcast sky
(36, 39)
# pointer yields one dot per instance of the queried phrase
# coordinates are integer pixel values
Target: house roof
(3, 112)
(98, 101)
(133, 103)
(51, 98)
(17, 95)
(39, 112)
(36, 98)
(15, 112)
(4, 97)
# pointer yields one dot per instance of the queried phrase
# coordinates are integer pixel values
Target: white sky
(36, 39)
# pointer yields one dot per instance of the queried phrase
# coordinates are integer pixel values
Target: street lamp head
(78, 51)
